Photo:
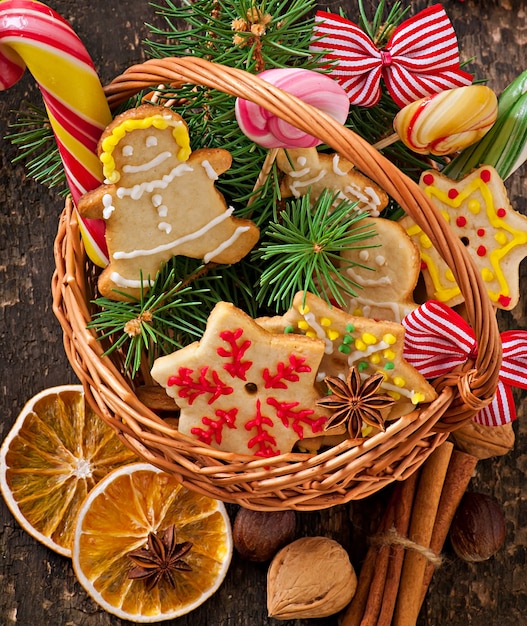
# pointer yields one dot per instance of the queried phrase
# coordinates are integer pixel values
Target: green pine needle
(302, 250)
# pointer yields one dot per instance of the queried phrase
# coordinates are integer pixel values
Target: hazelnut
(258, 535)
(478, 528)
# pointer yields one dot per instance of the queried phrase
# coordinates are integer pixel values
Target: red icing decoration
(285, 372)
(481, 251)
(504, 300)
(461, 221)
(290, 417)
(424, 266)
(215, 427)
(428, 179)
(237, 367)
(485, 176)
(263, 440)
(481, 232)
(453, 193)
(191, 389)
(501, 212)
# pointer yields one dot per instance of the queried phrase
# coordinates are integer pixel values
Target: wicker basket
(295, 481)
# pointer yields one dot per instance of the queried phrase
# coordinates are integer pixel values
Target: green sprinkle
(389, 365)
(344, 348)
(347, 339)
(350, 328)
(289, 329)
(362, 365)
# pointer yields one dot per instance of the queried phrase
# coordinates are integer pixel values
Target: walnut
(311, 577)
(484, 442)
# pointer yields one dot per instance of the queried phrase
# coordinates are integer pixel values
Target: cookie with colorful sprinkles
(373, 346)
(243, 389)
(478, 211)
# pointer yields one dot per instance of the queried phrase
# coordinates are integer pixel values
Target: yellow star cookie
(243, 389)
(478, 210)
(373, 346)
(306, 169)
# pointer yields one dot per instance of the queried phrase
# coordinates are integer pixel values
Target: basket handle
(476, 386)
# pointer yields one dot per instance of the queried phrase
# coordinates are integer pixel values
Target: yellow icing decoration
(487, 275)
(375, 359)
(449, 275)
(333, 334)
(360, 345)
(389, 355)
(425, 241)
(417, 397)
(312, 334)
(303, 310)
(369, 339)
(389, 339)
(396, 396)
(303, 325)
(325, 321)
(501, 238)
(109, 144)
(399, 381)
(474, 206)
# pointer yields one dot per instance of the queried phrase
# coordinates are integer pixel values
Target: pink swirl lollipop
(314, 88)
(33, 35)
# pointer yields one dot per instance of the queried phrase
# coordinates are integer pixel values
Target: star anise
(159, 559)
(354, 402)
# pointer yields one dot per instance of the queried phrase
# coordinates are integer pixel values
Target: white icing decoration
(177, 242)
(127, 150)
(144, 167)
(370, 201)
(301, 161)
(137, 191)
(162, 211)
(364, 354)
(210, 171)
(398, 312)
(364, 255)
(223, 246)
(380, 260)
(321, 333)
(108, 209)
(368, 282)
(151, 141)
(157, 199)
(298, 184)
(298, 173)
(336, 169)
(120, 281)
(165, 226)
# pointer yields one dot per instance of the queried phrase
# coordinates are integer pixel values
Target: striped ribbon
(437, 340)
(421, 57)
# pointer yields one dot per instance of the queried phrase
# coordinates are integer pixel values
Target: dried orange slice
(56, 451)
(119, 516)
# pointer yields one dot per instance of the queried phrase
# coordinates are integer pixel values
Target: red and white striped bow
(421, 58)
(437, 340)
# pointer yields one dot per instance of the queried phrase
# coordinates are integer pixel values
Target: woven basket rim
(298, 481)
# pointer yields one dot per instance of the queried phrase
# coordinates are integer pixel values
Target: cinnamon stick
(424, 514)
(460, 471)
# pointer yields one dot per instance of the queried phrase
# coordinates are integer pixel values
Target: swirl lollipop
(33, 35)
(314, 88)
(445, 122)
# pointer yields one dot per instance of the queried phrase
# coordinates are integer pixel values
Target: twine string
(392, 538)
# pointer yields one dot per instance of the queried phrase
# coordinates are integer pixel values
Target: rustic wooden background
(38, 586)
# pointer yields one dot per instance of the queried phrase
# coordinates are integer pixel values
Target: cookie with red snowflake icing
(478, 211)
(373, 346)
(242, 389)
(307, 170)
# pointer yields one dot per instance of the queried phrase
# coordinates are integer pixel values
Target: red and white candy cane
(32, 35)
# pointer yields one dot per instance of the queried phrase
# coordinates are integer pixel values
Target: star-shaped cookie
(478, 211)
(243, 389)
(373, 346)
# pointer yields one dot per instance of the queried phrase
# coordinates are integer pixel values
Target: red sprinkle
(504, 300)
(461, 221)
(481, 251)
(501, 212)
(481, 232)
(423, 265)
(428, 179)
(485, 176)
(453, 193)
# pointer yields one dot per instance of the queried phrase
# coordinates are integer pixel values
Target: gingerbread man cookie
(478, 211)
(307, 170)
(373, 346)
(386, 273)
(243, 389)
(159, 200)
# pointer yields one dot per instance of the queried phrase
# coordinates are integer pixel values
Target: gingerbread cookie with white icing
(243, 389)
(477, 209)
(373, 346)
(386, 274)
(307, 170)
(159, 200)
